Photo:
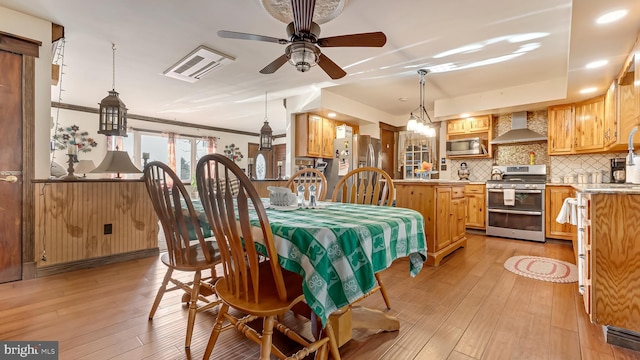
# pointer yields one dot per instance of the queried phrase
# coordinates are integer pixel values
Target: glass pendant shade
(113, 116)
(302, 55)
(412, 123)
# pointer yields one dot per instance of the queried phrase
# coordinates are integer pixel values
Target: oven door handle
(517, 191)
(518, 212)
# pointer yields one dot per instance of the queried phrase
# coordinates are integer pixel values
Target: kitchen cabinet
(471, 127)
(475, 195)
(554, 199)
(608, 231)
(560, 133)
(589, 125)
(314, 136)
(414, 155)
(443, 206)
(576, 128)
(624, 96)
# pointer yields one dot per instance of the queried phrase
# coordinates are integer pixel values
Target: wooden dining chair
(306, 178)
(259, 289)
(180, 223)
(369, 186)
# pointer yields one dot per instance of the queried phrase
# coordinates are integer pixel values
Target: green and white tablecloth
(339, 248)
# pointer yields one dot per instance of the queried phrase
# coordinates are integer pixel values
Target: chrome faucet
(631, 157)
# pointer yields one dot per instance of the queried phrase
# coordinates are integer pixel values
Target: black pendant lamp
(266, 134)
(113, 112)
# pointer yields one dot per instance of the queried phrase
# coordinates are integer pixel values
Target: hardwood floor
(469, 307)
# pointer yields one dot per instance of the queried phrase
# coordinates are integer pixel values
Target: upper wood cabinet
(560, 135)
(589, 121)
(469, 125)
(577, 128)
(314, 136)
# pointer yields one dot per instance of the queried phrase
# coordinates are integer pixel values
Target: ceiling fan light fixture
(303, 55)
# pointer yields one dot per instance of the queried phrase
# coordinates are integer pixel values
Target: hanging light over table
(113, 112)
(418, 124)
(265, 132)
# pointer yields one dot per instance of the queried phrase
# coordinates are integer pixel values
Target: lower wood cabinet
(612, 261)
(554, 199)
(475, 216)
(443, 206)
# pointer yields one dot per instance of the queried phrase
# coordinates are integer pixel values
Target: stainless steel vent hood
(519, 132)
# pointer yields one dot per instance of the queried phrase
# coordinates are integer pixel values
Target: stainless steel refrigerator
(351, 153)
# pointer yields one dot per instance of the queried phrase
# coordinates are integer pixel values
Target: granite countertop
(607, 188)
(432, 181)
(603, 188)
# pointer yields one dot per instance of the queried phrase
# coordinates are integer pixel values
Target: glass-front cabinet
(416, 155)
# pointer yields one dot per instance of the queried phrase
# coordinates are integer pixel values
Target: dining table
(338, 247)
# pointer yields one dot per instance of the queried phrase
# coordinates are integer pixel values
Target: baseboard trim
(622, 337)
(95, 262)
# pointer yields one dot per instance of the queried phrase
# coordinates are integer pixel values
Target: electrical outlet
(108, 229)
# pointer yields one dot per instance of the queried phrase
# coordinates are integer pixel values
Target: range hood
(519, 132)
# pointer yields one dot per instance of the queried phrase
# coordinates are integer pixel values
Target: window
(157, 147)
(183, 159)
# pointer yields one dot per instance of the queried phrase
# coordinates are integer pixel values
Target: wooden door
(314, 140)
(456, 126)
(589, 125)
(11, 165)
(279, 154)
(388, 150)
(328, 135)
(560, 129)
(444, 217)
(458, 228)
(554, 199)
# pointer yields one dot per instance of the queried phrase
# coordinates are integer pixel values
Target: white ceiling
(152, 35)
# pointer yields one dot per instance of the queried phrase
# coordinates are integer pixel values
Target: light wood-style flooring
(469, 307)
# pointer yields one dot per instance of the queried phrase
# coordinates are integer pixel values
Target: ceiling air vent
(197, 64)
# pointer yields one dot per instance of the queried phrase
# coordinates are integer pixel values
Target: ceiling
(152, 35)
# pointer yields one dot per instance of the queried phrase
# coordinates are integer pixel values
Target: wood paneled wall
(70, 218)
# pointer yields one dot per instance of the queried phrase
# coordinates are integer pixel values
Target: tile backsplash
(513, 154)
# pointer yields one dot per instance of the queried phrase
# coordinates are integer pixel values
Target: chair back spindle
(230, 218)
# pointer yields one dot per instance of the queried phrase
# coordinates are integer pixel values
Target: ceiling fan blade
(244, 36)
(302, 11)
(332, 69)
(372, 39)
(275, 65)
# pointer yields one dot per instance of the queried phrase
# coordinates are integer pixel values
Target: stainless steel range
(515, 202)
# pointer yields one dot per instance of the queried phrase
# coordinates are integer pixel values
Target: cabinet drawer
(474, 189)
(457, 192)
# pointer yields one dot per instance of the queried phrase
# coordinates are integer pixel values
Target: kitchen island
(609, 258)
(443, 205)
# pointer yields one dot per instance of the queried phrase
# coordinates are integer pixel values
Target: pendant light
(265, 132)
(417, 123)
(113, 112)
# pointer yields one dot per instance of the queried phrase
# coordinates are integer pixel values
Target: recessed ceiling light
(403, 99)
(596, 64)
(465, 115)
(331, 114)
(611, 17)
(588, 90)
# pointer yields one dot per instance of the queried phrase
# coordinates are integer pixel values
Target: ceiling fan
(304, 46)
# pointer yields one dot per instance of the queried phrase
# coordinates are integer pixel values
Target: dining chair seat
(270, 303)
(197, 259)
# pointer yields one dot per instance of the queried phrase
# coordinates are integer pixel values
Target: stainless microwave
(470, 146)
